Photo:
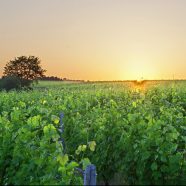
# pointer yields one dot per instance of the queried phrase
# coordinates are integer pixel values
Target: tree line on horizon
(55, 78)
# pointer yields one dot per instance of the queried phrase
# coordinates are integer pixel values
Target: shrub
(10, 82)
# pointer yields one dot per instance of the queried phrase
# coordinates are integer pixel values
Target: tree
(27, 69)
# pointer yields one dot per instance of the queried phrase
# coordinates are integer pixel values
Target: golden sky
(97, 39)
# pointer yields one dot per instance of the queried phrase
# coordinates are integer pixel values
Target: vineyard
(133, 136)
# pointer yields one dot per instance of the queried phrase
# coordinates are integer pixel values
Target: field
(135, 133)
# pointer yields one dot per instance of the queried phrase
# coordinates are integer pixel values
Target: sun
(140, 70)
(139, 80)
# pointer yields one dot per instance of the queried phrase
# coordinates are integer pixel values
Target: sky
(97, 39)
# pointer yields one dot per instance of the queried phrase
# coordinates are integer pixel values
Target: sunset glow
(97, 40)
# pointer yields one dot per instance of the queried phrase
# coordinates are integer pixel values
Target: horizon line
(158, 79)
(117, 80)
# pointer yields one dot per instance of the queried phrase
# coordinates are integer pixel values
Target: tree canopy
(25, 68)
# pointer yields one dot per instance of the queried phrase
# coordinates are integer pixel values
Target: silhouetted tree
(27, 69)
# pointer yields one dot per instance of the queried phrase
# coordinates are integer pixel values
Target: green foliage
(138, 135)
(31, 152)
